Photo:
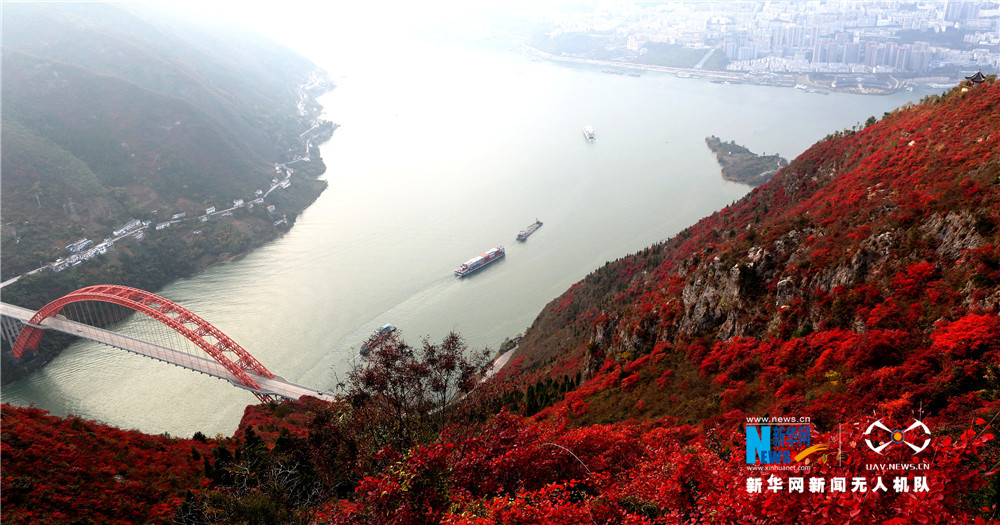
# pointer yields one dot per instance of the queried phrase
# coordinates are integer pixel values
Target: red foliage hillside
(61, 470)
(834, 285)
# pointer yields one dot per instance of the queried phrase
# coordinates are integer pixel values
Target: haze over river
(445, 151)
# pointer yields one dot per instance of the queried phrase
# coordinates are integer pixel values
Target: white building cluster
(84, 249)
(815, 36)
(129, 226)
(77, 246)
(82, 255)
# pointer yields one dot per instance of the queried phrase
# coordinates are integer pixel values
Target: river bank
(36, 290)
(152, 258)
(820, 83)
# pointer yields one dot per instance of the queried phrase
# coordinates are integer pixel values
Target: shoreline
(787, 79)
(312, 158)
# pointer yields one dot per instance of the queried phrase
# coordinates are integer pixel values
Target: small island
(741, 165)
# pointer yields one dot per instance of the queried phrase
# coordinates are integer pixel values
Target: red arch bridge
(165, 331)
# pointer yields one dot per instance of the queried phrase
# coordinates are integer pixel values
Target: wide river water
(445, 151)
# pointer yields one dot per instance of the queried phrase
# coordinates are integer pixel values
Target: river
(445, 151)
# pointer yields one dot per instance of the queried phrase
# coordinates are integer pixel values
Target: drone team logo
(899, 436)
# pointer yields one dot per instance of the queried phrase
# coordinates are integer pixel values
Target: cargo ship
(480, 261)
(376, 338)
(588, 132)
(525, 233)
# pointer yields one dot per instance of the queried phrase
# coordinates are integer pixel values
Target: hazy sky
(304, 24)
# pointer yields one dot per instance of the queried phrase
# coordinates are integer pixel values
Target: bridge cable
(12, 329)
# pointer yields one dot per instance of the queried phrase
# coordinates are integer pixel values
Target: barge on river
(525, 233)
(480, 261)
(377, 338)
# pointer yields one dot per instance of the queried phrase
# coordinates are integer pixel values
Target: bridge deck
(268, 386)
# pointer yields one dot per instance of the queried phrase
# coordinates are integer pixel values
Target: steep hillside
(130, 477)
(119, 111)
(127, 135)
(114, 112)
(240, 80)
(842, 280)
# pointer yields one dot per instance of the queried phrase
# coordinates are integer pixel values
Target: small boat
(588, 132)
(380, 335)
(525, 233)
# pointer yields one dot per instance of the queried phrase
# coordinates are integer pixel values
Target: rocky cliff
(890, 229)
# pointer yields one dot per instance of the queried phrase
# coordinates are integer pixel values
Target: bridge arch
(170, 314)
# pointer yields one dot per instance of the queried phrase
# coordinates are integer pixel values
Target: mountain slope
(168, 115)
(165, 143)
(130, 476)
(233, 76)
(114, 112)
(875, 241)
